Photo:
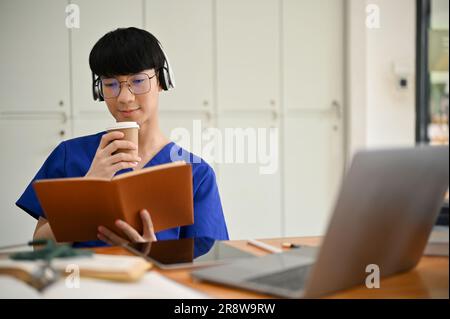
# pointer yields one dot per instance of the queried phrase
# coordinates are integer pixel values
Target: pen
(264, 246)
(37, 242)
(290, 245)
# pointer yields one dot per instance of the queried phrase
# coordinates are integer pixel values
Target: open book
(75, 207)
(107, 267)
(151, 285)
(100, 276)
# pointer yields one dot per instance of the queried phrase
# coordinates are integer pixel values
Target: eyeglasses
(137, 84)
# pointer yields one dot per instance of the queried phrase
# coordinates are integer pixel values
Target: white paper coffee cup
(131, 133)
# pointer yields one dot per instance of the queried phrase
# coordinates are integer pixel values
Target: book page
(12, 288)
(124, 175)
(66, 179)
(153, 285)
(103, 263)
(149, 169)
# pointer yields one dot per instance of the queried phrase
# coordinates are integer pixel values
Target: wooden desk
(428, 280)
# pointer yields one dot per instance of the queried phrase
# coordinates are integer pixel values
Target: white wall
(380, 115)
(356, 89)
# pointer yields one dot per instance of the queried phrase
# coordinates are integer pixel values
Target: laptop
(387, 205)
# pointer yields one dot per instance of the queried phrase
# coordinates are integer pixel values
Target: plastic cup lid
(123, 125)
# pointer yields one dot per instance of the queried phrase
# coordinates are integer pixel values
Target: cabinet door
(189, 130)
(91, 123)
(248, 59)
(312, 174)
(112, 14)
(185, 29)
(250, 184)
(34, 55)
(313, 77)
(313, 46)
(248, 81)
(26, 142)
(185, 128)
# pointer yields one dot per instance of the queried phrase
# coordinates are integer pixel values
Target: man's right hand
(105, 165)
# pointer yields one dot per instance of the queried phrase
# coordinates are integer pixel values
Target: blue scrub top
(73, 158)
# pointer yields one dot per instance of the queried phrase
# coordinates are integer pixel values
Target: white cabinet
(313, 47)
(26, 142)
(185, 29)
(248, 90)
(91, 123)
(254, 64)
(312, 172)
(34, 56)
(185, 128)
(248, 54)
(35, 91)
(251, 200)
(313, 77)
(96, 19)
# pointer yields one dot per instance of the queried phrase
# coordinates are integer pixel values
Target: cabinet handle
(274, 115)
(208, 116)
(61, 103)
(62, 133)
(337, 108)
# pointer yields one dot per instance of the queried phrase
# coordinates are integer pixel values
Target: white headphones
(168, 77)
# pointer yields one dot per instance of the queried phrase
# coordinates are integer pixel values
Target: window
(432, 78)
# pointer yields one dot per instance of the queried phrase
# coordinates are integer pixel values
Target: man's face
(138, 107)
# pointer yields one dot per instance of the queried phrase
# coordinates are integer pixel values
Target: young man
(132, 70)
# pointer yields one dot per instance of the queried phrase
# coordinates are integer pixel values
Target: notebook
(75, 207)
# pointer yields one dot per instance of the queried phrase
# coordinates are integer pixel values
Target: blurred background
(333, 76)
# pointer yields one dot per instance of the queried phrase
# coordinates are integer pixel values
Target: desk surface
(428, 280)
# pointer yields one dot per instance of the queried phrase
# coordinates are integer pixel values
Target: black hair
(126, 51)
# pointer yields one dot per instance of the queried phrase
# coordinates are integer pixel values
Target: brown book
(75, 207)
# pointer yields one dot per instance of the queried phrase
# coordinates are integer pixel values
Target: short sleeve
(53, 167)
(209, 220)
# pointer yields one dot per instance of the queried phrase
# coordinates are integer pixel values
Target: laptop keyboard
(292, 279)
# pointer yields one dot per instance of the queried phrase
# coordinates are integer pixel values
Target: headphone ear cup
(99, 96)
(166, 78)
(96, 92)
(96, 89)
(163, 79)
